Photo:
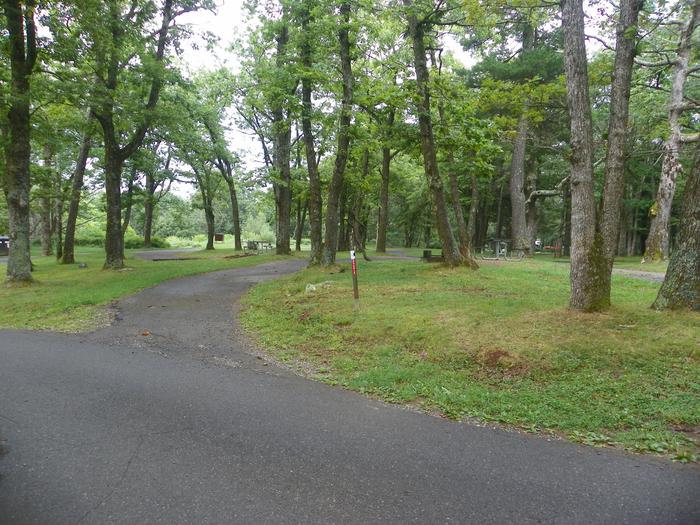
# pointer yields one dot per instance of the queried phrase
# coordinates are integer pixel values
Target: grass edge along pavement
(67, 298)
(497, 345)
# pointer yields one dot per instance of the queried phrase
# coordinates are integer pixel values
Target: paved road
(184, 425)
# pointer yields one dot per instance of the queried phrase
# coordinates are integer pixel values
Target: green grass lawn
(498, 345)
(67, 298)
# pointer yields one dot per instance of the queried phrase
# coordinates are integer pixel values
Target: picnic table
(258, 245)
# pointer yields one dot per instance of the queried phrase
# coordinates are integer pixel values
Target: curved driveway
(166, 417)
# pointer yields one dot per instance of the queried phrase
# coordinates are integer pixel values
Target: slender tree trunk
(114, 243)
(22, 50)
(58, 222)
(46, 244)
(330, 243)
(301, 217)
(657, 245)
(209, 216)
(416, 32)
(343, 227)
(473, 209)
(128, 199)
(531, 218)
(681, 287)
(235, 216)
(315, 203)
(76, 192)
(148, 210)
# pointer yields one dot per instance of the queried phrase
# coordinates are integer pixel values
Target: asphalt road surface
(167, 417)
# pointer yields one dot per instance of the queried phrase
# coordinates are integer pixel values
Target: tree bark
(587, 268)
(235, 215)
(383, 221)
(301, 217)
(22, 49)
(657, 245)
(76, 192)
(591, 266)
(114, 155)
(148, 209)
(129, 199)
(681, 286)
(416, 31)
(282, 154)
(330, 243)
(315, 204)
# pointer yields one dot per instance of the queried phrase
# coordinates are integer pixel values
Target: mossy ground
(498, 344)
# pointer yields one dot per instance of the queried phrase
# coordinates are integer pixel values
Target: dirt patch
(176, 259)
(239, 255)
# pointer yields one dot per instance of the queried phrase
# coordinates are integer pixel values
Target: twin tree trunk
(22, 49)
(76, 191)
(681, 287)
(657, 245)
(451, 253)
(593, 235)
(114, 155)
(341, 158)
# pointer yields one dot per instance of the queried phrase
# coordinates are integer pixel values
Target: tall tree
(681, 286)
(657, 244)
(343, 147)
(591, 233)
(23, 54)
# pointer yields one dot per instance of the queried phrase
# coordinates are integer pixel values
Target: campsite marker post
(355, 288)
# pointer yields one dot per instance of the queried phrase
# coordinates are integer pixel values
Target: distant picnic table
(258, 245)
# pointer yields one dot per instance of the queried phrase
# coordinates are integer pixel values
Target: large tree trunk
(681, 287)
(282, 153)
(594, 238)
(517, 185)
(416, 32)
(76, 191)
(315, 203)
(22, 49)
(114, 155)
(330, 243)
(587, 264)
(657, 245)
(114, 242)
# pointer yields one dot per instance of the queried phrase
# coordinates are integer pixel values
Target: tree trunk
(128, 199)
(76, 192)
(591, 236)
(282, 154)
(657, 245)
(148, 210)
(315, 204)
(330, 243)
(209, 216)
(587, 264)
(383, 221)
(22, 50)
(58, 222)
(301, 217)
(473, 209)
(517, 185)
(46, 244)
(343, 228)
(681, 286)
(416, 32)
(235, 216)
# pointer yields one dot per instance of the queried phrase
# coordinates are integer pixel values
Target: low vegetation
(68, 298)
(497, 345)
